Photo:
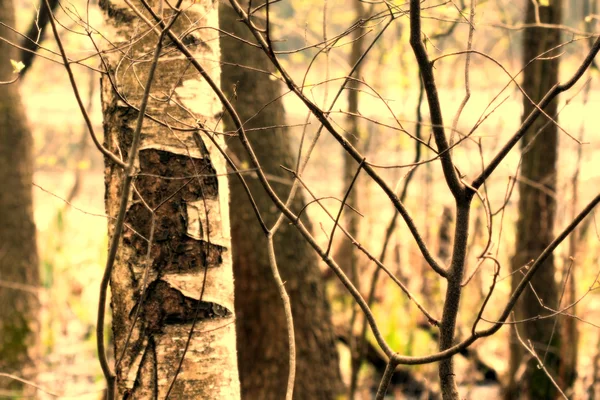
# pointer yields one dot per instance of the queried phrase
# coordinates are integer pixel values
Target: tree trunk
(261, 328)
(535, 226)
(174, 300)
(570, 334)
(347, 254)
(19, 275)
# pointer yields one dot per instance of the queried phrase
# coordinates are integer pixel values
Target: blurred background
(68, 183)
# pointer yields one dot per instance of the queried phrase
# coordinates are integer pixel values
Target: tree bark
(537, 207)
(19, 274)
(174, 300)
(261, 328)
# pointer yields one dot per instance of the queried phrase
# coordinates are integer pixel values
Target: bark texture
(537, 205)
(261, 328)
(19, 275)
(189, 281)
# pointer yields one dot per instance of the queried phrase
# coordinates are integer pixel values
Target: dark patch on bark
(178, 168)
(173, 250)
(166, 184)
(165, 305)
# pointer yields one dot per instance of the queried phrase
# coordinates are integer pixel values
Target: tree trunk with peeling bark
(261, 324)
(172, 303)
(537, 207)
(19, 274)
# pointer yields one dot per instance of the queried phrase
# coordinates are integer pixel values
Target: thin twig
(467, 96)
(118, 227)
(322, 117)
(84, 113)
(547, 99)
(540, 363)
(435, 111)
(337, 218)
(285, 299)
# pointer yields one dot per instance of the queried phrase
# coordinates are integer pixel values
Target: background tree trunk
(189, 269)
(570, 333)
(35, 33)
(19, 274)
(347, 254)
(261, 328)
(535, 226)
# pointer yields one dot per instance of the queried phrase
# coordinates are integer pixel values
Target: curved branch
(551, 95)
(322, 117)
(435, 110)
